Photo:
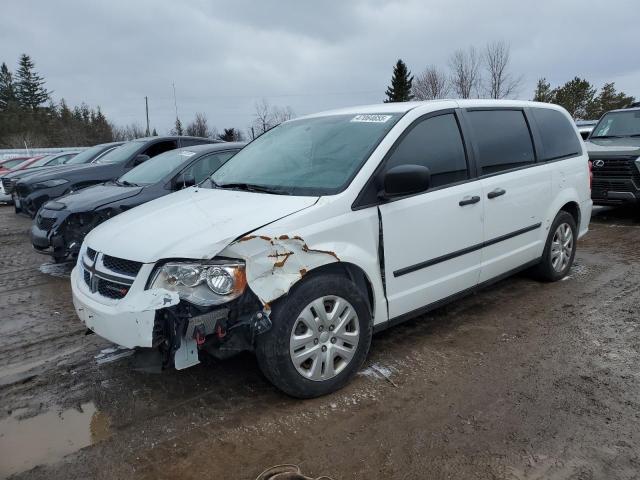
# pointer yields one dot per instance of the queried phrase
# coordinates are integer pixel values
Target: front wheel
(320, 337)
(560, 249)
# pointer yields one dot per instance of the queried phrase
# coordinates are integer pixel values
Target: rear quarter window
(558, 136)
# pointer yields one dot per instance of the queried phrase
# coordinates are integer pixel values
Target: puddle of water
(61, 270)
(47, 438)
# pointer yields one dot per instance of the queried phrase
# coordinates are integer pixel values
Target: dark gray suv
(614, 152)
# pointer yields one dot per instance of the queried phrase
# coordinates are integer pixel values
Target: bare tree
(499, 82)
(128, 132)
(431, 84)
(465, 72)
(267, 117)
(199, 127)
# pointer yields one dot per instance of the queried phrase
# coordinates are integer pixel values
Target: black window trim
(359, 204)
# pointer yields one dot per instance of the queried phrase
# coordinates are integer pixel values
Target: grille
(91, 253)
(8, 185)
(87, 278)
(617, 168)
(111, 289)
(45, 223)
(120, 265)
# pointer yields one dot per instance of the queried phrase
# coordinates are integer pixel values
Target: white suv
(333, 226)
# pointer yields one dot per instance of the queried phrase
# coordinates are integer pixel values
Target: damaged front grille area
(109, 277)
(44, 223)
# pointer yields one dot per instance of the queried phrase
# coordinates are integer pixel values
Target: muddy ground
(526, 380)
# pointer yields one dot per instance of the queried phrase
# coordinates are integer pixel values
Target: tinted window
(435, 143)
(160, 147)
(558, 135)
(502, 138)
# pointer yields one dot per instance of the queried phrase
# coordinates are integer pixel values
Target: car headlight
(51, 183)
(205, 284)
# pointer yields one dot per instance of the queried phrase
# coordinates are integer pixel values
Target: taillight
(590, 174)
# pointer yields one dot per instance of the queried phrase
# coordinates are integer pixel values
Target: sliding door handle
(469, 200)
(496, 193)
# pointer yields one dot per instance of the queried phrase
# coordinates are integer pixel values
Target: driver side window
(202, 168)
(435, 143)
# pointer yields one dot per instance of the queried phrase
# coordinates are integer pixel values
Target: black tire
(545, 270)
(272, 347)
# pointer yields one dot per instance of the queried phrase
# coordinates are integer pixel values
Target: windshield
(313, 156)
(43, 161)
(120, 154)
(27, 164)
(618, 124)
(156, 168)
(85, 156)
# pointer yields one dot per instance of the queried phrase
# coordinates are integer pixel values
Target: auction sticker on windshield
(187, 153)
(369, 118)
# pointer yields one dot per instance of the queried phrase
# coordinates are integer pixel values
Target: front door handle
(469, 200)
(496, 193)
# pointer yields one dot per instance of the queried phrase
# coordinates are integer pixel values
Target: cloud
(225, 56)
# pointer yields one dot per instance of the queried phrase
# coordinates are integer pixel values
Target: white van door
(433, 240)
(515, 196)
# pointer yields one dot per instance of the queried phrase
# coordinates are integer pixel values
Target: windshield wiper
(250, 187)
(609, 136)
(128, 184)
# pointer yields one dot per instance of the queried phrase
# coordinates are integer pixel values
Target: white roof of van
(402, 107)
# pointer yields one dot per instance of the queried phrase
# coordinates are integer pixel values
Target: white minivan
(334, 226)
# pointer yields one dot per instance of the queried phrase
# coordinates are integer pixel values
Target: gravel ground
(522, 381)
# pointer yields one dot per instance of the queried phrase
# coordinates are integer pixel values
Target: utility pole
(146, 106)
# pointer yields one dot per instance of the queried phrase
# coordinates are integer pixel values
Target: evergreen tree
(401, 83)
(608, 99)
(576, 96)
(30, 90)
(177, 129)
(543, 92)
(7, 88)
(154, 133)
(230, 135)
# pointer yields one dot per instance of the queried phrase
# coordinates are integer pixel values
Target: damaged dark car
(33, 192)
(61, 225)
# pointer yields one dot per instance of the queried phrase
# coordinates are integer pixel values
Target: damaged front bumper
(128, 323)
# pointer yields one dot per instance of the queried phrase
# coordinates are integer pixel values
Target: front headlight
(205, 284)
(51, 183)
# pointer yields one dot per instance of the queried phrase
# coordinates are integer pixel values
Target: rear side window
(502, 138)
(558, 135)
(435, 143)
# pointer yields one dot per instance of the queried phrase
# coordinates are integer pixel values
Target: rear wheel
(560, 248)
(320, 337)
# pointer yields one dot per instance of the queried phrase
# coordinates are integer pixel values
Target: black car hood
(613, 147)
(94, 197)
(90, 171)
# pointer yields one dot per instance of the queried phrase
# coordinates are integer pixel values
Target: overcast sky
(312, 56)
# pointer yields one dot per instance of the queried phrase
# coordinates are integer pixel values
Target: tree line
(486, 73)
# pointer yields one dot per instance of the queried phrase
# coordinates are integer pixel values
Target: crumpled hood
(613, 147)
(91, 198)
(192, 223)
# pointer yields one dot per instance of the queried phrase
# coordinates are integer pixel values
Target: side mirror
(184, 180)
(140, 159)
(405, 180)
